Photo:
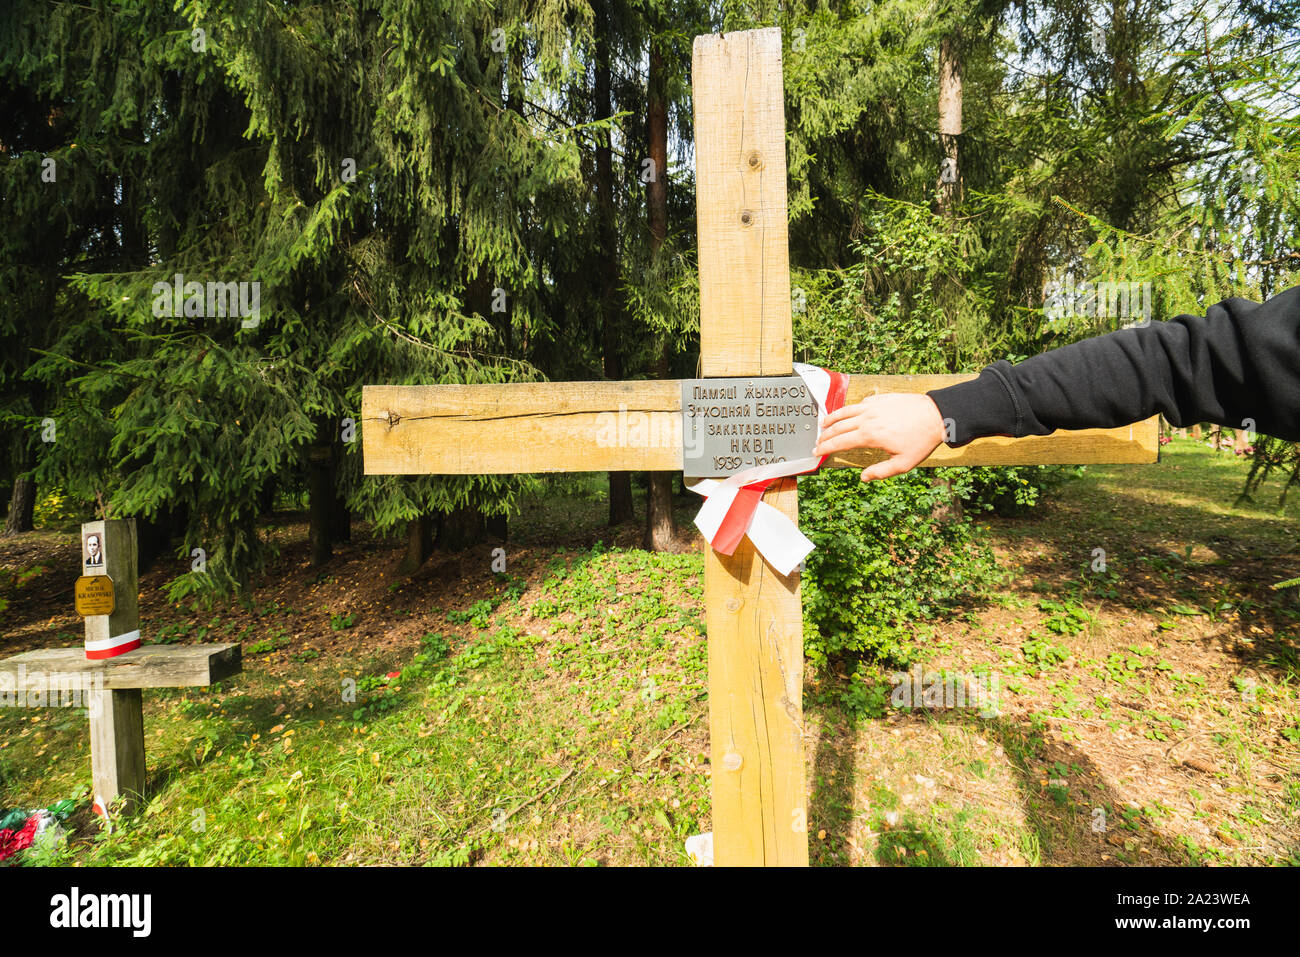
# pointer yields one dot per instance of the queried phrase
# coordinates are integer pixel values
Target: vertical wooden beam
(118, 553)
(740, 200)
(753, 615)
(116, 717)
(117, 748)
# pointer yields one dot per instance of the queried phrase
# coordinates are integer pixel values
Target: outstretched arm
(1239, 365)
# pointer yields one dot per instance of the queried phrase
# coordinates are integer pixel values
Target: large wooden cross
(753, 615)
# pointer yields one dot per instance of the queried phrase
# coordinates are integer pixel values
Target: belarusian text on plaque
(729, 425)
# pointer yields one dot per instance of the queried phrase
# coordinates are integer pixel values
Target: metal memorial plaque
(729, 425)
(94, 595)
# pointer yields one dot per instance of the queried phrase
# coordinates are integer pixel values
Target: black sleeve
(1239, 362)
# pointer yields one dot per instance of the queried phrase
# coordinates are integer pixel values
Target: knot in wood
(733, 604)
(746, 218)
(732, 761)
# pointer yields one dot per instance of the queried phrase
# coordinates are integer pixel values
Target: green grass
(551, 737)
(560, 718)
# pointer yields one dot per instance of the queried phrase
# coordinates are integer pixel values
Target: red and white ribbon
(112, 647)
(733, 507)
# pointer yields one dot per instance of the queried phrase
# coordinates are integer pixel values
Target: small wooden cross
(753, 615)
(110, 688)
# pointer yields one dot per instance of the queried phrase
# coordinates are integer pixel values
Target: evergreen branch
(577, 127)
(1135, 237)
(1185, 158)
(1281, 261)
(467, 354)
(93, 368)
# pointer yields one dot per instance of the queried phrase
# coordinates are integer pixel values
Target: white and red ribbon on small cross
(112, 647)
(733, 507)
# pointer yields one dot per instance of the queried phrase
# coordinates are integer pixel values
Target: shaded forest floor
(557, 713)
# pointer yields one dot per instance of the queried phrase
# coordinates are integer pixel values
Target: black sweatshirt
(1238, 365)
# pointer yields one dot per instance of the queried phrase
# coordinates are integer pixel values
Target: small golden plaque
(94, 595)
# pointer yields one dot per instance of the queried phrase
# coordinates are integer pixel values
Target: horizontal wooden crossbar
(150, 666)
(612, 426)
(1136, 444)
(522, 427)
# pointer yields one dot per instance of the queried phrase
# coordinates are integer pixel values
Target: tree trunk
(660, 530)
(949, 196)
(178, 515)
(657, 116)
(340, 514)
(620, 483)
(340, 522)
(660, 527)
(320, 485)
(22, 505)
(948, 192)
(152, 537)
(950, 125)
(419, 545)
(620, 498)
(266, 499)
(460, 528)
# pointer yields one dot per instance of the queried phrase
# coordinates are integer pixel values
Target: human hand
(906, 425)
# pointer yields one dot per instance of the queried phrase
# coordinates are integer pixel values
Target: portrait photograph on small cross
(94, 549)
(590, 435)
